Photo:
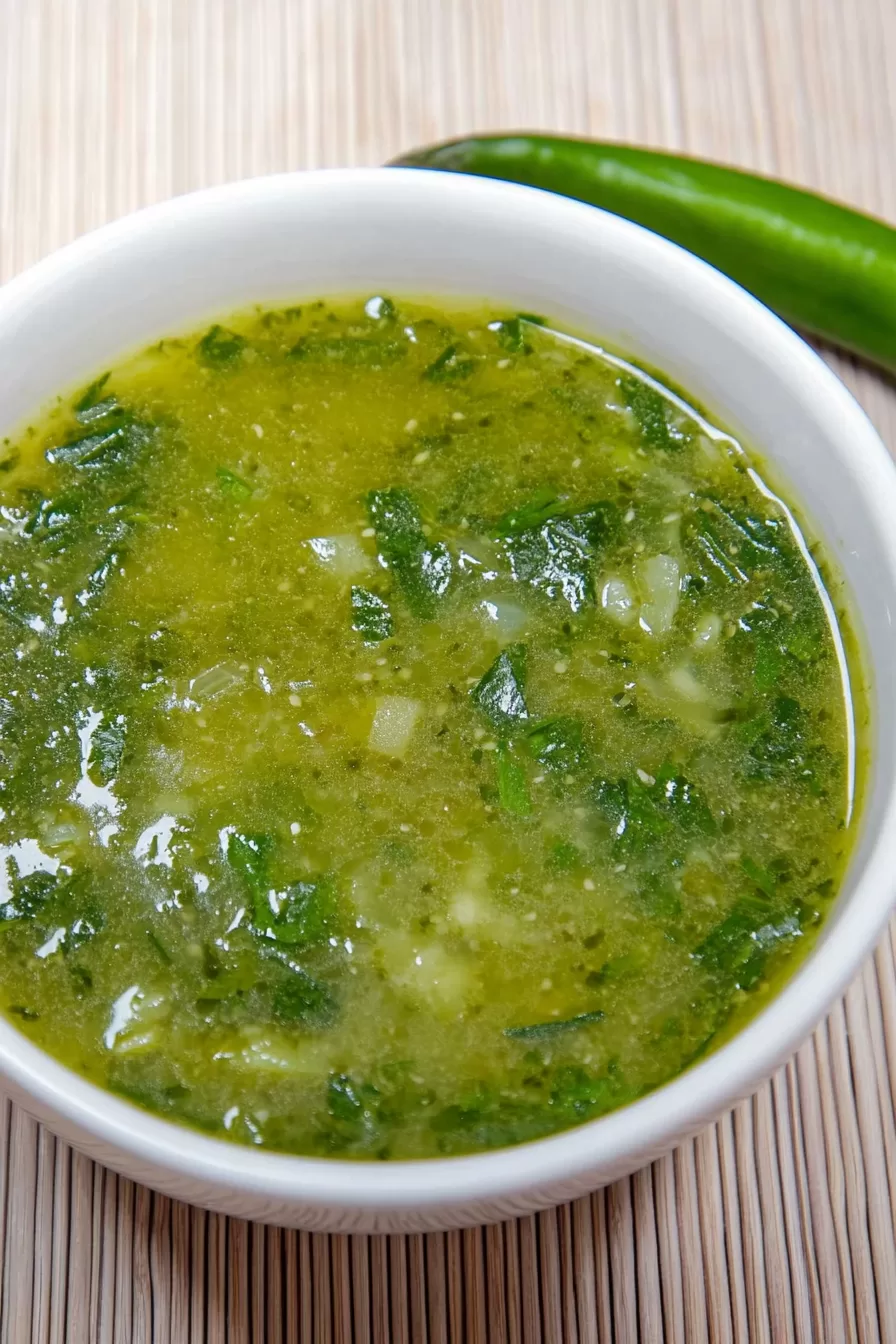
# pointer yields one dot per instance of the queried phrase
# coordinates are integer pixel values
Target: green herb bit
(220, 348)
(307, 914)
(349, 1100)
(556, 556)
(118, 441)
(737, 949)
(762, 622)
(540, 1031)
(805, 637)
(423, 571)
(511, 334)
(53, 516)
(279, 316)
(641, 815)
(563, 857)
(451, 366)
(732, 544)
(99, 576)
(107, 750)
(777, 638)
(779, 743)
(513, 788)
(396, 520)
(99, 411)
(499, 693)
(92, 396)
(355, 1118)
(702, 1047)
(682, 802)
(29, 895)
(426, 579)
(617, 968)
(538, 509)
(658, 898)
(354, 1112)
(159, 947)
(82, 980)
(229, 483)
(649, 407)
(764, 878)
(75, 904)
(557, 745)
(712, 561)
(53, 521)
(249, 856)
(758, 540)
(148, 1079)
(300, 1000)
(630, 809)
(371, 616)
(229, 977)
(580, 1094)
(488, 1120)
(17, 596)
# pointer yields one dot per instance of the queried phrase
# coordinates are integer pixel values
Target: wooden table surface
(775, 1225)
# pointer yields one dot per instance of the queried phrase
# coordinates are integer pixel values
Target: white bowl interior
(405, 232)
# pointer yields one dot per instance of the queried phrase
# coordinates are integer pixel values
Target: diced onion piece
(343, 556)
(466, 910)
(683, 697)
(215, 680)
(618, 601)
(63, 833)
(709, 448)
(273, 1052)
(707, 631)
(136, 1015)
(659, 577)
(683, 681)
(503, 620)
(426, 969)
(393, 724)
(475, 914)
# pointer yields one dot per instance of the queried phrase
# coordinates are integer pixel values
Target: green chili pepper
(820, 265)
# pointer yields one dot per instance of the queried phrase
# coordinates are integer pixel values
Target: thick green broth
(421, 731)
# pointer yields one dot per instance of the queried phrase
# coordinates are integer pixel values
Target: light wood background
(776, 1225)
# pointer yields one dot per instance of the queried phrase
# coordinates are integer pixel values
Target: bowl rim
(639, 1131)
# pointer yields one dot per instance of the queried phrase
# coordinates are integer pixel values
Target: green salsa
(422, 731)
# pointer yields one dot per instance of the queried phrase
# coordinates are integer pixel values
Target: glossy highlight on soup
(422, 731)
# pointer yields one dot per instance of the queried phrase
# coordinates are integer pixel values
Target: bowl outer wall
(295, 236)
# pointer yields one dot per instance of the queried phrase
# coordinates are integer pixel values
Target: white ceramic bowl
(274, 239)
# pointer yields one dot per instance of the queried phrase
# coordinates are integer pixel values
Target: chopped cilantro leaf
(513, 790)
(556, 556)
(499, 692)
(649, 407)
(540, 1031)
(422, 569)
(229, 483)
(451, 366)
(220, 348)
(371, 616)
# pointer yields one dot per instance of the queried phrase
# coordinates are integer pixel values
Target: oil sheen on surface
(421, 731)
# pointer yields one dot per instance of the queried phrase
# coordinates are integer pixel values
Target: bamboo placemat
(778, 1223)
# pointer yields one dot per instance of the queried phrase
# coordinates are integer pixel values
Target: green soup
(421, 731)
